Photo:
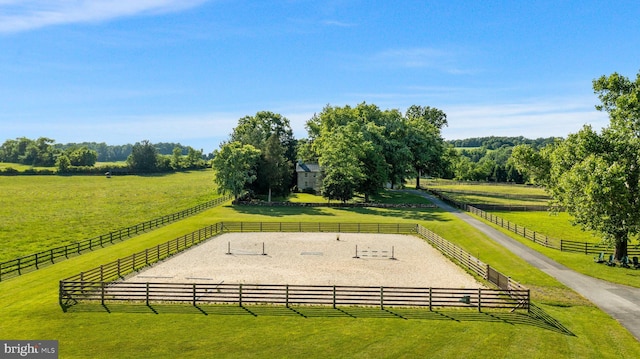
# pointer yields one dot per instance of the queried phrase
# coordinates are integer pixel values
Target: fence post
(430, 296)
(479, 299)
(286, 295)
(194, 294)
(561, 243)
(101, 292)
(586, 250)
(147, 294)
(37, 261)
(240, 294)
(381, 297)
(334, 296)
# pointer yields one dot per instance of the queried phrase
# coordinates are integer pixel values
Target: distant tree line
(82, 157)
(495, 142)
(489, 158)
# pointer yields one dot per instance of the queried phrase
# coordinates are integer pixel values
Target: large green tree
(274, 165)
(596, 176)
(257, 131)
(424, 140)
(341, 161)
(358, 135)
(143, 157)
(235, 166)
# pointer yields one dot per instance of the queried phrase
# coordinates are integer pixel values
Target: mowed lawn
(41, 212)
(561, 325)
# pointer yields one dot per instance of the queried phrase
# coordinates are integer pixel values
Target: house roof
(307, 167)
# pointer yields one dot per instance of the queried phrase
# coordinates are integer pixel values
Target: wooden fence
(102, 283)
(34, 261)
(290, 295)
(539, 238)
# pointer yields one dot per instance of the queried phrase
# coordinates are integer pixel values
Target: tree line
(496, 142)
(82, 157)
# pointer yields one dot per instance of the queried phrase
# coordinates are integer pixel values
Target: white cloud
(420, 58)
(22, 15)
(532, 119)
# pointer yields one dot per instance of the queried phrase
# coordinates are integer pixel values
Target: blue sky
(186, 70)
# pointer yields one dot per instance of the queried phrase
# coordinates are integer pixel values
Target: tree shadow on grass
(414, 214)
(536, 317)
(281, 211)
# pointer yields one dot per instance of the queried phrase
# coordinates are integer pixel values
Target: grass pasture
(41, 212)
(499, 194)
(561, 325)
(556, 226)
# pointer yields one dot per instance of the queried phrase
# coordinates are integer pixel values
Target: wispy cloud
(337, 23)
(532, 119)
(420, 58)
(23, 15)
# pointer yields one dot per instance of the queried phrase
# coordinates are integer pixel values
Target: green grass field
(561, 325)
(41, 212)
(483, 193)
(556, 226)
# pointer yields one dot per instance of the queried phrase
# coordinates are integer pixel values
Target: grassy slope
(565, 325)
(40, 212)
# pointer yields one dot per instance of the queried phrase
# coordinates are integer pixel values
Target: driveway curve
(620, 301)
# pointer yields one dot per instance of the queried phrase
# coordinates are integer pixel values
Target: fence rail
(102, 283)
(536, 237)
(18, 266)
(296, 295)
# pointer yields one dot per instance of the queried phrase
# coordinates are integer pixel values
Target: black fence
(103, 283)
(536, 237)
(34, 261)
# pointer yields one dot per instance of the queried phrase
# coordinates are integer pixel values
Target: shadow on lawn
(536, 317)
(414, 214)
(280, 211)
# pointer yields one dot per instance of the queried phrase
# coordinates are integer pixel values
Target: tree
(343, 168)
(176, 158)
(194, 158)
(424, 140)
(235, 166)
(257, 131)
(351, 145)
(63, 163)
(82, 156)
(274, 165)
(143, 157)
(596, 176)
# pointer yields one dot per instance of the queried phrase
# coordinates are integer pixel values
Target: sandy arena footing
(312, 259)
